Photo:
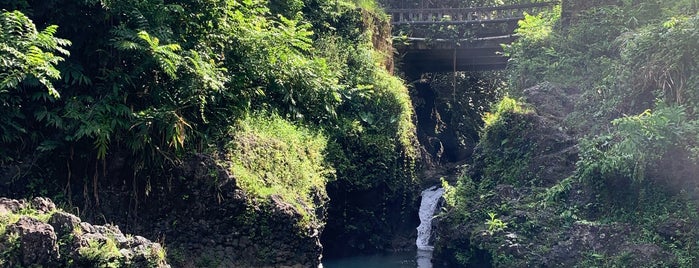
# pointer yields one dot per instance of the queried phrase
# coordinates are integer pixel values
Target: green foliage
(155, 83)
(533, 50)
(7, 219)
(506, 144)
(271, 156)
(464, 101)
(636, 144)
(661, 59)
(11, 246)
(372, 141)
(537, 28)
(28, 54)
(157, 256)
(28, 58)
(10, 218)
(633, 64)
(149, 82)
(103, 254)
(494, 224)
(462, 196)
(505, 106)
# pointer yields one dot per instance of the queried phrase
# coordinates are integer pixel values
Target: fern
(28, 54)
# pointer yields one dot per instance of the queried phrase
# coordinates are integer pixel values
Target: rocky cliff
(523, 203)
(36, 234)
(207, 220)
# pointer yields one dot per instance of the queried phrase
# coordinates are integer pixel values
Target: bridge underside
(485, 54)
(471, 36)
(448, 60)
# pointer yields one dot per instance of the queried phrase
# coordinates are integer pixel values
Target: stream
(420, 258)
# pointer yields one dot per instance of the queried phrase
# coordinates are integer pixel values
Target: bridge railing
(470, 15)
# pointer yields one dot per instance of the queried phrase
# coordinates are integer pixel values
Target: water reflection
(419, 259)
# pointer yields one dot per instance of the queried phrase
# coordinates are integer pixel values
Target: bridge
(476, 35)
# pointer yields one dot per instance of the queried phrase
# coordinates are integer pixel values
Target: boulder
(10, 205)
(31, 242)
(43, 205)
(64, 223)
(37, 241)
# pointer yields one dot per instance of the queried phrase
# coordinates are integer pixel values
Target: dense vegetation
(628, 73)
(296, 101)
(111, 95)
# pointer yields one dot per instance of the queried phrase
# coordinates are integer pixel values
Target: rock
(221, 225)
(551, 101)
(553, 219)
(30, 242)
(640, 255)
(64, 223)
(672, 229)
(10, 205)
(37, 241)
(43, 204)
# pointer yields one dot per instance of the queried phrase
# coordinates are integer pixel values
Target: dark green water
(419, 259)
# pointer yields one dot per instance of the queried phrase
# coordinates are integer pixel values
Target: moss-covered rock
(528, 202)
(36, 234)
(259, 201)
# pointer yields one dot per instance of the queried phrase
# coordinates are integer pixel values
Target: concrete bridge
(479, 32)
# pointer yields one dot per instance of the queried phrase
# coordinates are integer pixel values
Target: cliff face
(212, 222)
(524, 203)
(373, 202)
(37, 234)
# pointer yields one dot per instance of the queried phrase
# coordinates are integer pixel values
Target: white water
(430, 200)
(420, 259)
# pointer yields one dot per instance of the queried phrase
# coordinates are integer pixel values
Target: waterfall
(430, 200)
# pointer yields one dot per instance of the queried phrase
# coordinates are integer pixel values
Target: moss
(10, 242)
(270, 156)
(6, 220)
(503, 107)
(505, 149)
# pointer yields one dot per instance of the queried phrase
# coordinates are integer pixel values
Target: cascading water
(423, 259)
(430, 200)
(428, 205)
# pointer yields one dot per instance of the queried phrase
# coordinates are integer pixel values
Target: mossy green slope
(269, 156)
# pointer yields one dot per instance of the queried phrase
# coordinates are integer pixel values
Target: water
(421, 258)
(393, 260)
(430, 200)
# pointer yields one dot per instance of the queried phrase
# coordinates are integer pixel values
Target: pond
(419, 259)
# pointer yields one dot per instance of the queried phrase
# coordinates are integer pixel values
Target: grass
(371, 6)
(8, 219)
(270, 156)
